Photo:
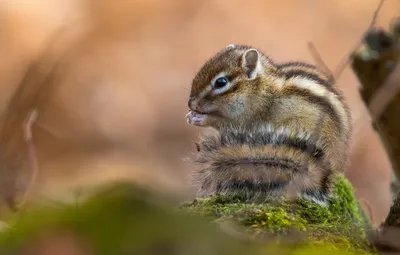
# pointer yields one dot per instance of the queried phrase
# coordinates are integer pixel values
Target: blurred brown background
(117, 109)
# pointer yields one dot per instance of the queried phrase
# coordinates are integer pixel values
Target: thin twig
(31, 154)
(376, 12)
(319, 61)
(345, 60)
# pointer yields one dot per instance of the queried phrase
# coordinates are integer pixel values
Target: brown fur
(295, 97)
(263, 169)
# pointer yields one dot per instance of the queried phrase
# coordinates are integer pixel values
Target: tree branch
(346, 60)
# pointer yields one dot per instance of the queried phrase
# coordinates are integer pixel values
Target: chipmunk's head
(226, 86)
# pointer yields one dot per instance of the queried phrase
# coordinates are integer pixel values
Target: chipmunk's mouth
(211, 113)
(200, 112)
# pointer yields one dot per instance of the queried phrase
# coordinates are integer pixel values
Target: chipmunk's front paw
(196, 119)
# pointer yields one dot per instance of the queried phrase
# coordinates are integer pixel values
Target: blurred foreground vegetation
(124, 218)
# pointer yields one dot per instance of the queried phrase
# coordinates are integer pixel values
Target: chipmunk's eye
(220, 82)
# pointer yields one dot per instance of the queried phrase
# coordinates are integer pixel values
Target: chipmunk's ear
(230, 46)
(251, 62)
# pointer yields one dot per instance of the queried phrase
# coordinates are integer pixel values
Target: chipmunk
(283, 129)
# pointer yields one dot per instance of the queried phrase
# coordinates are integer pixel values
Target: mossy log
(126, 219)
(340, 223)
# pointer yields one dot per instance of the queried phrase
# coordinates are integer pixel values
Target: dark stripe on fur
(271, 139)
(272, 162)
(308, 75)
(327, 79)
(326, 182)
(321, 101)
(321, 193)
(296, 63)
(249, 185)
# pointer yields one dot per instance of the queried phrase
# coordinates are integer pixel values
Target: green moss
(122, 219)
(341, 222)
(125, 219)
